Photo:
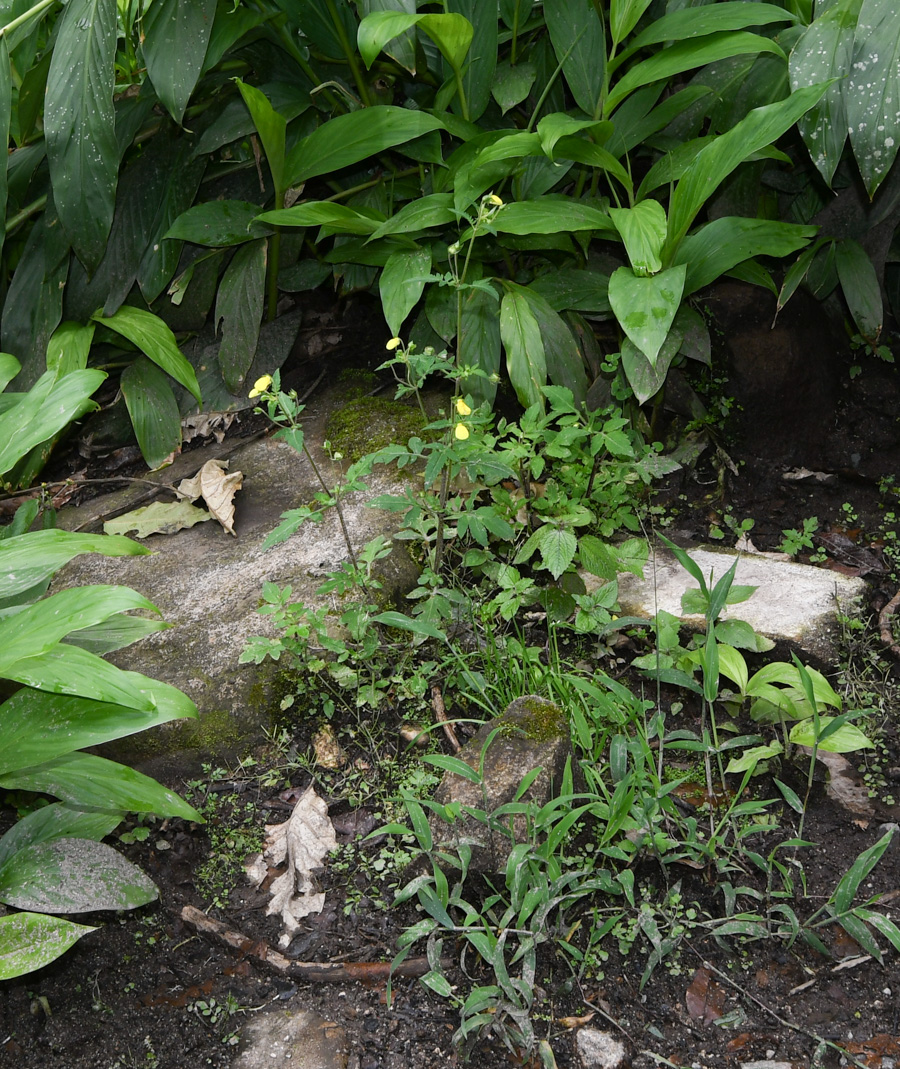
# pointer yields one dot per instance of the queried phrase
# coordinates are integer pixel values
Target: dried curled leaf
(217, 487)
(303, 840)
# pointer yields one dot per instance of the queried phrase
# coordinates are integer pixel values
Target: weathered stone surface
(600, 1050)
(794, 603)
(208, 587)
(531, 733)
(296, 1038)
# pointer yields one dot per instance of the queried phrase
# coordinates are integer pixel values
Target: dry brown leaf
(576, 1022)
(303, 841)
(844, 785)
(217, 487)
(204, 424)
(329, 753)
(705, 999)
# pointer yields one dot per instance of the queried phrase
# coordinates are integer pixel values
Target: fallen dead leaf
(158, 518)
(704, 998)
(576, 1022)
(329, 753)
(844, 785)
(217, 487)
(876, 1049)
(303, 840)
(204, 424)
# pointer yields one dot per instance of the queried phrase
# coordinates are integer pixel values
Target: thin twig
(440, 714)
(325, 971)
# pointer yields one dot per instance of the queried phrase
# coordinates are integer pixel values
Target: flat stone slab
(208, 585)
(794, 603)
(296, 1038)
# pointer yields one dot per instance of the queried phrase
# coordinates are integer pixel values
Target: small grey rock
(298, 1038)
(600, 1050)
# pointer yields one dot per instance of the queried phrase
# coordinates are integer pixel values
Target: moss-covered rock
(371, 423)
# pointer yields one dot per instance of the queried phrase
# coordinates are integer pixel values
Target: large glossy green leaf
(73, 876)
(33, 306)
(550, 215)
(645, 307)
(562, 356)
(28, 559)
(685, 56)
(161, 258)
(761, 127)
(846, 739)
(5, 112)
(434, 209)
(38, 726)
(155, 340)
(720, 245)
(57, 821)
(38, 628)
(576, 33)
(83, 779)
(401, 284)
(348, 139)
(479, 345)
(481, 59)
(581, 150)
(692, 22)
(525, 360)
(69, 347)
(271, 127)
(643, 230)
(29, 941)
(450, 32)
(624, 15)
(512, 84)
(575, 288)
(872, 93)
(217, 223)
(175, 34)
(644, 378)
(115, 633)
(338, 218)
(401, 48)
(825, 52)
(328, 25)
(862, 292)
(45, 410)
(239, 310)
(139, 195)
(153, 410)
(79, 125)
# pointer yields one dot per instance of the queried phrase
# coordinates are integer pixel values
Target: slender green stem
(342, 193)
(24, 214)
(463, 103)
(25, 16)
(350, 52)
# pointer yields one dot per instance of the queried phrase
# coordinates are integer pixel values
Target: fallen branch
(884, 623)
(327, 972)
(440, 714)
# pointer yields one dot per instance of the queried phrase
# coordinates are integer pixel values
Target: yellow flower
(261, 385)
(461, 431)
(462, 408)
(494, 199)
(394, 343)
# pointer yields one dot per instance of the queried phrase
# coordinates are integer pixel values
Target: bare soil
(146, 991)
